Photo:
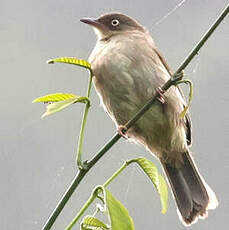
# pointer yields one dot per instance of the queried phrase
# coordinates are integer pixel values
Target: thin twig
(81, 173)
(84, 120)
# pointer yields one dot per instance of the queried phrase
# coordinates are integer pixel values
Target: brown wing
(187, 119)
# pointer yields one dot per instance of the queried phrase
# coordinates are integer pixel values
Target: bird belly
(124, 86)
(158, 132)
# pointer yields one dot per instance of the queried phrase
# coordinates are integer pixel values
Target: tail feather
(192, 195)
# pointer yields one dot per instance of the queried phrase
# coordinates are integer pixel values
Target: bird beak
(92, 22)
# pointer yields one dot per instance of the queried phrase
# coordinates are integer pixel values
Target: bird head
(111, 24)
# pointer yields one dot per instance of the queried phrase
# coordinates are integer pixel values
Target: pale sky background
(37, 156)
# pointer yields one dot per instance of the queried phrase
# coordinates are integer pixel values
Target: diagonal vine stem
(176, 77)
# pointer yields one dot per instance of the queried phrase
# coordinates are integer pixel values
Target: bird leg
(160, 97)
(122, 131)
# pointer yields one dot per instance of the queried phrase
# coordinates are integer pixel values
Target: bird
(127, 71)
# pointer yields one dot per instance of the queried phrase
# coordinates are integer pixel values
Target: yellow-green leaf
(71, 60)
(90, 222)
(163, 191)
(55, 97)
(119, 216)
(59, 101)
(151, 171)
(57, 106)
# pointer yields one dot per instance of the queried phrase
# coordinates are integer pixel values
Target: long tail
(193, 196)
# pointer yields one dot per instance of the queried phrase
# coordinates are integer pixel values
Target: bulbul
(128, 68)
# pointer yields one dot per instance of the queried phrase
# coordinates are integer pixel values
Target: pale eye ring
(115, 22)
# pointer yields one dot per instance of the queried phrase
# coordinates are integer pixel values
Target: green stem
(205, 37)
(116, 174)
(183, 113)
(82, 130)
(79, 176)
(167, 85)
(93, 196)
(81, 212)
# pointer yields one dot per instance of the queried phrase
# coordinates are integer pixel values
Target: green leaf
(151, 171)
(90, 222)
(54, 97)
(119, 216)
(71, 60)
(59, 101)
(163, 191)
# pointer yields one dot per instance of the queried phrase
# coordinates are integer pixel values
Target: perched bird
(128, 68)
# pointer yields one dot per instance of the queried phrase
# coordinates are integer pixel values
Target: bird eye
(115, 22)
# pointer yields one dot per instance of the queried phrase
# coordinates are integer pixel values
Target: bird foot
(160, 97)
(122, 131)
